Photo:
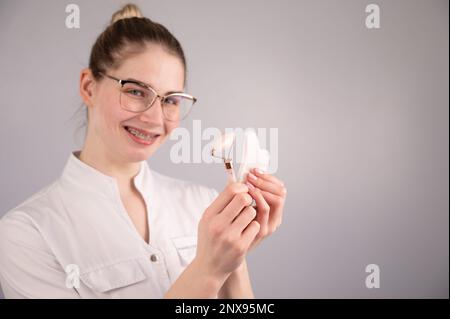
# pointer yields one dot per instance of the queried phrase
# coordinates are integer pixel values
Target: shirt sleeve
(28, 268)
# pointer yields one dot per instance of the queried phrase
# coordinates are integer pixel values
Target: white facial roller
(253, 156)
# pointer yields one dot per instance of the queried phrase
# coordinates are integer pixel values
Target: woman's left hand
(269, 194)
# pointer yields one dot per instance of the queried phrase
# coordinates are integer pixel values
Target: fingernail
(250, 185)
(259, 171)
(252, 177)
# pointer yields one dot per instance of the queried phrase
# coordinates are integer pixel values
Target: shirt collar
(90, 179)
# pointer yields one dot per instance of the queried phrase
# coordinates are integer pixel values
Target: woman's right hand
(226, 231)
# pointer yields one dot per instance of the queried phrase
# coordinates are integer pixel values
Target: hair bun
(128, 11)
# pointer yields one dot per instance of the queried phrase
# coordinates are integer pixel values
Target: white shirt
(80, 220)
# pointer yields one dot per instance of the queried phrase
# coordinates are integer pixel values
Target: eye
(173, 100)
(135, 92)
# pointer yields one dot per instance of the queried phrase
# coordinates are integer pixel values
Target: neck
(100, 159)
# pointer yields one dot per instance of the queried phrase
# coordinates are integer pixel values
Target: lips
(145, 132)
(140, 136)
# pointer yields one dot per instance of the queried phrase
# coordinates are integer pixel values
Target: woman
(110, 227)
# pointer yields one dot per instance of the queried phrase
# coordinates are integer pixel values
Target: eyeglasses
(138, 97)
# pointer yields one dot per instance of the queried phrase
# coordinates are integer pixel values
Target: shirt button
(154, 258)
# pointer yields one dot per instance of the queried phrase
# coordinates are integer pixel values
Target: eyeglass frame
(147, 86)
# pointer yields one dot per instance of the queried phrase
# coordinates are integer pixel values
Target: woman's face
(107, 119)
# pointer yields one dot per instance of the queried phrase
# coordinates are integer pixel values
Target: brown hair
(127, 35)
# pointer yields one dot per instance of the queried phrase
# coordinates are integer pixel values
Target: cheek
(112, 114)
(170, 126)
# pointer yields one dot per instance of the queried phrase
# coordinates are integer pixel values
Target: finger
(225, 197)
(266, 185)
(237, 204)
(276, 214)
(242, 220)
(262, 207)
(272, 199)
(269, 177)
(249, 234)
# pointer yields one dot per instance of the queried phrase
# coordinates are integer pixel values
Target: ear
(87, 83)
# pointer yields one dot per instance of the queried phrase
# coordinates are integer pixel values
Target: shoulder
(23, 219)
(20, 231)
(28, 265)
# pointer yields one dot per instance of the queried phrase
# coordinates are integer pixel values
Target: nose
(154, 113)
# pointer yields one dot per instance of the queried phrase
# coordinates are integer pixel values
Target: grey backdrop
(362, 118)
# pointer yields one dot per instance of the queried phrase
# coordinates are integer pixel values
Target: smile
(141, 136)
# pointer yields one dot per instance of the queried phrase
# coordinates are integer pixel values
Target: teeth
(138, 134)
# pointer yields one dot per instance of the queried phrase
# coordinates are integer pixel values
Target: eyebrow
(145, 85)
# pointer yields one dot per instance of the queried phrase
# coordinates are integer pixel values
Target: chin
(143, 154)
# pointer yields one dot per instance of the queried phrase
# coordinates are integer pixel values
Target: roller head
(222, 145)
(253, 156)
